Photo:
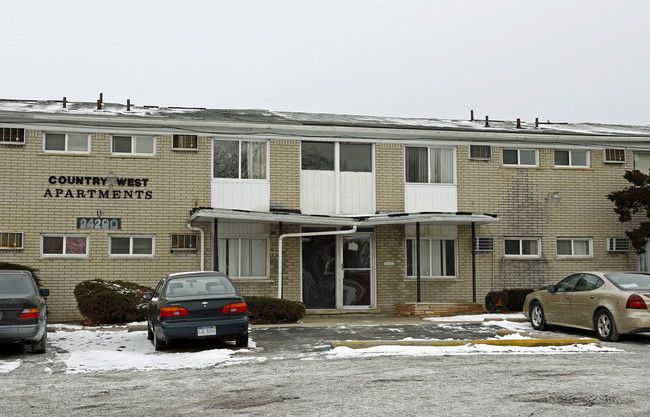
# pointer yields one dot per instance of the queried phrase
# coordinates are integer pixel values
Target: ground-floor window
(437, 257)
(243, 257)
(574, 247)
(64, 245)
(121, 245)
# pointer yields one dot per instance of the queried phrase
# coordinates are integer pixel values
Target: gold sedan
(611, 303)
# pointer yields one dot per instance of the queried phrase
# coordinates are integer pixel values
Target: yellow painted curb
(359, 344)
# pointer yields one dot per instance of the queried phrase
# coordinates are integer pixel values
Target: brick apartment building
(110, 191)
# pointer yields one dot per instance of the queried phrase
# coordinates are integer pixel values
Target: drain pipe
(198, 229)
(338, 232)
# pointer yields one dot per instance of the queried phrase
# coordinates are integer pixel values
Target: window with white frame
(480, 152)
(64, 245)
(574, 247)
(520, 157)
(317, 156)
(577, 159)
(66, 142)
(429, 165)
(133, 145)
(137, 245)
(11, 240)
(437, 257)
(355, 157)
(614, 156)
(239, 159)
(243, 257)
(185, 142)
(618, 244)
(522, 247)
(13, 136)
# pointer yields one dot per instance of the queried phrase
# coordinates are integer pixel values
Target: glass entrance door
(319, 272)
(357, 273)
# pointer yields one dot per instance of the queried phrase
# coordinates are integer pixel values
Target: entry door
(319, 272)
(357, 271)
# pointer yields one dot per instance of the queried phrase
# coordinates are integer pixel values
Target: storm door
(319, 271)
(357, 272)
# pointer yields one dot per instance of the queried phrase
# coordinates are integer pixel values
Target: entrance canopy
(458, 218)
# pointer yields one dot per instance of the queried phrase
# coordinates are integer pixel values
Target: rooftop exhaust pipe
(518, 123)
(65, 102)
(487, 122)
(128, 104)
(100, 101)
(471, 115)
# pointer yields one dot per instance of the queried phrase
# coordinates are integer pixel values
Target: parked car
(196, 305)
(611, 303)
(23, 315)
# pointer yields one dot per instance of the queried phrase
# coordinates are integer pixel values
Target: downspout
(338, 232)
(198, 229)
(473, 262)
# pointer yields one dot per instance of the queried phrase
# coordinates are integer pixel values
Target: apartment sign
(71, 186)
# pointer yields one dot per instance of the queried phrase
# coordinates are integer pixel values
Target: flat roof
(458, 218)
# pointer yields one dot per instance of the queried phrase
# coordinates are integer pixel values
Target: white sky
(559, 60)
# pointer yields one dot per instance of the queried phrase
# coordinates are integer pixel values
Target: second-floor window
(239, 159)
(520, 157)
(66, 142)
(571, 158)
(522, 247)
(429, 165)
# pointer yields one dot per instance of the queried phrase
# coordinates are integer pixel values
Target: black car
(196, 305)
(23, 315)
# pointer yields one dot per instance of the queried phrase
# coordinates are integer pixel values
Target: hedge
(111, 302)
(267, 310)
(506, 300)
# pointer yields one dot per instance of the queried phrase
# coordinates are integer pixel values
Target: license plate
(206, 331)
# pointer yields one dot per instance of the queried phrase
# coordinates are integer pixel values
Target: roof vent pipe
(128, 104)
(518, 123)
(536, 122)
(65, 102)
(101, 97)
(99, 104)
(471, 115)
(487, 122)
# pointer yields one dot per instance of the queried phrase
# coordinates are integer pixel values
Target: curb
(358, 344)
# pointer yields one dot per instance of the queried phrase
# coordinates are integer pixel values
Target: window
(571, 158)
(131, 245)
(185, 142)
(429, 165)
(437, 258)
(12, 135)
(614, 156)
(355, 157)
(480, 152)
(64, 245)
(10, 240)
(243, 257)
(618, 244)
(524, 247)
(133, 145)
(317, 156)
(66, 142)
(185, 242)
(574, 247)
(520, 157)
(239, 159)
(484, 244)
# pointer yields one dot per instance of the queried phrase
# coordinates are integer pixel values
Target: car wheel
(158, 343)
(605, 326)
(537, 317)
(149, 332)
(242, 340)
(39, 345)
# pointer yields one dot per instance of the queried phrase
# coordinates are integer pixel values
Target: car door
(584, 300)
(558, 303)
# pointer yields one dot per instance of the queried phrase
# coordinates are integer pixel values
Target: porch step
(438, 309)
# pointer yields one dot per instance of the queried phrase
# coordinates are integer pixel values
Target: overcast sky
(563, 61)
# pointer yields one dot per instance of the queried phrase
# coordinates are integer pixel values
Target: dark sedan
(196, 305)
(23, 315)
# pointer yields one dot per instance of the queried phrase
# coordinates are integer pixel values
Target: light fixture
(111, 179)
(99, 213)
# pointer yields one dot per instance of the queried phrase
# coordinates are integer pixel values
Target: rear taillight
(635, 301)
(29, 313)
(173, 312)
(234, 308)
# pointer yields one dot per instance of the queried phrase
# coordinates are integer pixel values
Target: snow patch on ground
(8, 366)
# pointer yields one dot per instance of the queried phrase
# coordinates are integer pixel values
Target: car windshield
(17, 284)
(627, 281)
(210, 285)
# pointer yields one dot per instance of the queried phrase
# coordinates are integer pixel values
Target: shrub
(516, 298)
(9, 265)
(111, 302)
(267, 310)
(496, 301)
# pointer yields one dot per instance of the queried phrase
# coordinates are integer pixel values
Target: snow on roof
(119, 111)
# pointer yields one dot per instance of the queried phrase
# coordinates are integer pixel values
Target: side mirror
(44, 292)
(147, 296)
(551, 288)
